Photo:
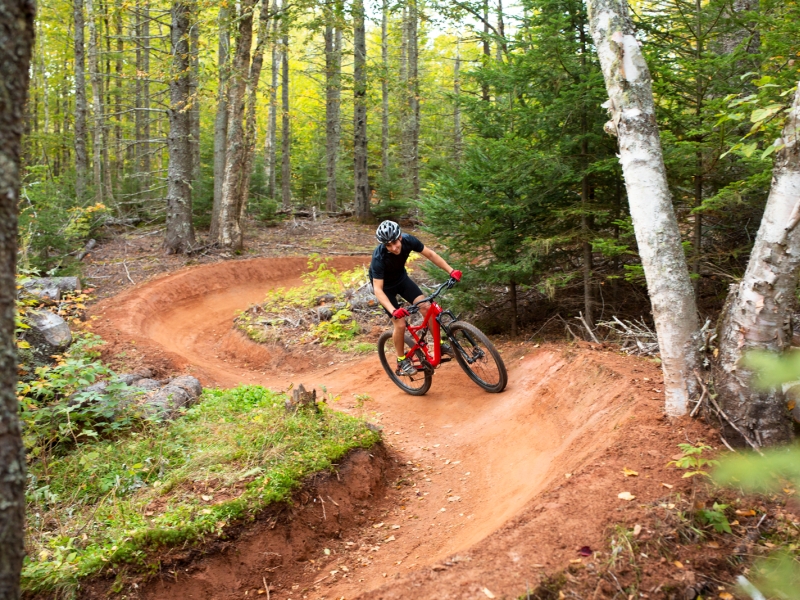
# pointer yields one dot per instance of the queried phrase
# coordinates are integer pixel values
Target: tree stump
(302, 399)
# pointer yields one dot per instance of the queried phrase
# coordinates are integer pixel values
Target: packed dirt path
(495, 487)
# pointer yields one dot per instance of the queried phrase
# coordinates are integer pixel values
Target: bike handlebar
(442, 287)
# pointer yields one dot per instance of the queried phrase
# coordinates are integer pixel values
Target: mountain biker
(387, 271)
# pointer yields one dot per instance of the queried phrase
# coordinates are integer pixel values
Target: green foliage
(693, 461)
(774, 370)
(117, 501)
(773, 470)
(341, 327)
(57, 409)
(274, 320)
(52, 225)
(715, 517)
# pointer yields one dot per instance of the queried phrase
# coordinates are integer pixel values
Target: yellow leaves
(725, 596)
(746, 513)
(678, 564)
(626, 496)
(629, 472)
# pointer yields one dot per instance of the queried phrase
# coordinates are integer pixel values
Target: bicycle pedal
(445, 358)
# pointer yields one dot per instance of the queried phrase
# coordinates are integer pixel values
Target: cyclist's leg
(398, 325)
(409, 291)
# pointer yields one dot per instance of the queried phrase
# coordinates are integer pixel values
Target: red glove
(455, 274)
(400, 313)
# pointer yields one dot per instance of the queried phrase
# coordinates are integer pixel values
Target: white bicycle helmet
(387, 232)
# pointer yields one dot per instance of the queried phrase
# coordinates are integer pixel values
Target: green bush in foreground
(108, 503)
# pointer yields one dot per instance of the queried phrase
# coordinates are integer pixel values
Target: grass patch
(110, 503)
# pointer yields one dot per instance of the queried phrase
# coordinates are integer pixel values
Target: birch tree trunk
(179, 235)
(361, 175)
(235, 142)
(759, 306)
(633, 122)
(221, 119)
(385, 92)
(81, 159)
(333, 94)
(16, 46)
(286, 134)
(270, 140)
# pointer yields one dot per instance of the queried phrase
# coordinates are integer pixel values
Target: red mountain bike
(473, 351)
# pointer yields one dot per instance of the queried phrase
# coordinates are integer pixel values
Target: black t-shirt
(392, 267)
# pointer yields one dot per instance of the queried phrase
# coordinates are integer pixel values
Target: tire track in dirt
(475, 460)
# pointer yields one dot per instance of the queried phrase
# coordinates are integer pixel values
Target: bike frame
(432, 319)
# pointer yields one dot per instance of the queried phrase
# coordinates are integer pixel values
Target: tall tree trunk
(221, 120)
(81, 159)
(760, 305)
(385, 92)
(138, 115)
(145, 75)
(270, 140)
(333, 94)
(361, 176)
(458, 141)
(405, 93)
(194, 43)
(588, 291)
(413, 98)
(119, 159)
(250, 121)
(633, 121)
(286, 134)
(108, 179)
(179, 236)
(235, 154)
(97, 103)
(501, 31)
(697, 233)
(16, 46)
(487, 48)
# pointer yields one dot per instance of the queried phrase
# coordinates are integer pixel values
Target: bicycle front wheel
(416, 385)
(478, 357)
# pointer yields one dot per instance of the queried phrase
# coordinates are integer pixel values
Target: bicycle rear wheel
(478, 357)
(416, 385)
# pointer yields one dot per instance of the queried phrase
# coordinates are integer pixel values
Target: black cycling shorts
(406, 289)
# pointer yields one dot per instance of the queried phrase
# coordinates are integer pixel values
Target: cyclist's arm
(377, 287)
(436, 259)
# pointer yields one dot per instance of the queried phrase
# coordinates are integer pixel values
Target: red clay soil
(497, 491)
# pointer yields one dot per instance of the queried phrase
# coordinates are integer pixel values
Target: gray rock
(325, 298)
(165, 402)
(324, 313)
(145, 384)
(191, 385)
(51, 288)
(129, 378)
(48, 329)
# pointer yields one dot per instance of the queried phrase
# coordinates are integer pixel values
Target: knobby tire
(420, 383)
(487, 369)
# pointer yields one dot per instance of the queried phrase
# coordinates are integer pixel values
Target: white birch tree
(760, 305)
(633, 121)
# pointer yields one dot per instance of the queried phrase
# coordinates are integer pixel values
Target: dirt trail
(475, 461)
